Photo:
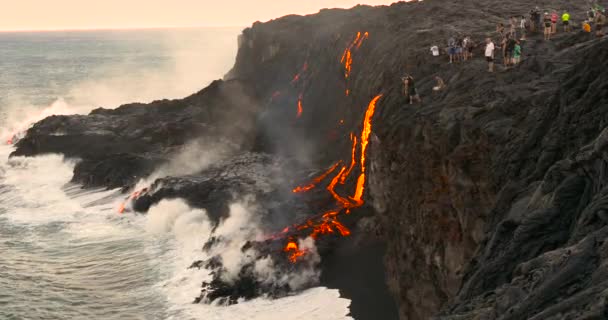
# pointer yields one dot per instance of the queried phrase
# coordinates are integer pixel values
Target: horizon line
(114, 28)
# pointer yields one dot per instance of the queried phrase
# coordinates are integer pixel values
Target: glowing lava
(134, 196)
(328, 223)
(365, 133)
(347, 56)
(297, 77)
(316, 180)
(353, 161)
(293, 251)
(300, 109)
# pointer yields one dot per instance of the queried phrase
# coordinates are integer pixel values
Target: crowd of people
(510, 39)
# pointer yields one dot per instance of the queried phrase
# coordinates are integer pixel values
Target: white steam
(266, 271)
(195, 156)
(194, 58)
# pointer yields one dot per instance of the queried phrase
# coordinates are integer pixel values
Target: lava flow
(316, 180)
(328, 223)
(347, 56)
(134, 196)
(300, 109)
(293, 251)
(297, 77)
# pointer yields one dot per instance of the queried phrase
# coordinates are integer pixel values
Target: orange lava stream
(347, 56)
(133, 196)
(365, 133)
(328, 222)
(352, 161)
(300, 109)
(293, 251)
(316, 180)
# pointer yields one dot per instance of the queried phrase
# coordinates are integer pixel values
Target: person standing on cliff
(509, 51)
(566, 21)
(547, 25)
(532, 21)
(489, 53)
(600, 20)
(452, 49)
(523, 23)
(517, 53)
(554, 18)
(410, 89)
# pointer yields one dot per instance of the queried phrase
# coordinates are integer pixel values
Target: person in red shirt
(554, 18)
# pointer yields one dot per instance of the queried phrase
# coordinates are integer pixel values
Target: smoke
(184, 62)
(195, 156)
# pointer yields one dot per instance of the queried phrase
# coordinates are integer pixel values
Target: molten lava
(293, 251)
(365, 133)
(134, 196)
(316, 180)
(347, 56)
(353, 161)
(297, 77)
(328, 223)
(300, 109)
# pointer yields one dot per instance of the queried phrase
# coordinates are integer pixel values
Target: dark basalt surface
(489, 200)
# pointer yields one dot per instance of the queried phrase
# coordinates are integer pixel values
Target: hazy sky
(92, 14)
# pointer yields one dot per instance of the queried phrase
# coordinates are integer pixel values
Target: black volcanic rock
(120, 146)
(489, 198)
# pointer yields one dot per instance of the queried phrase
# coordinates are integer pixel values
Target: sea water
(65, 252)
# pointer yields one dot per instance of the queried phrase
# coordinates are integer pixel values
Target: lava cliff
(488, 198)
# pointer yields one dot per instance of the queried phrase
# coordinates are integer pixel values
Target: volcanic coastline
(486, 201)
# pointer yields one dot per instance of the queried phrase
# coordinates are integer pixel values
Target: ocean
(65, 253)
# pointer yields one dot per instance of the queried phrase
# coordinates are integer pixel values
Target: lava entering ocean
(328, 223)
(134, 196)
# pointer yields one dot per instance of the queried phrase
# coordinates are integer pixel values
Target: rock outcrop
(488, 198)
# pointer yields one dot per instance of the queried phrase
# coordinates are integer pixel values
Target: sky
(102, 14)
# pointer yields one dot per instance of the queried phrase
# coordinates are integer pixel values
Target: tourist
(600, 20)
(522, 26)
(586, 26)
(440, 84)
(459, 51)
(410, 89)
(517, 53)
(554, 18)
(503, 47)
(468, 46)
(513, 26)
(538, 20)
(500, 29)
(509, 51)
(547, 25)
(534, 20)
(489, 53)
(566, 21)
(452, 49)
(435, 51)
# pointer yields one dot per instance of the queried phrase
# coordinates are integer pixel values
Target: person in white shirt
(490, 54)
(435, 51)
